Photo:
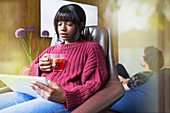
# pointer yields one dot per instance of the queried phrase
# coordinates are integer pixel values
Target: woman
(85, 70)
(143, 94)
(152, 61)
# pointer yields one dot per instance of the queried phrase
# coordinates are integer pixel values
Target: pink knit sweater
(85, 70)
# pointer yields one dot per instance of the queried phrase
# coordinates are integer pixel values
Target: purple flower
(45, 33)
(20, 32)
(31, 28)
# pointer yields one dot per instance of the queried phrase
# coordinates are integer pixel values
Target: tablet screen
(19, 83)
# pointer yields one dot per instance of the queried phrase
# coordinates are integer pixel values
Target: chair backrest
(102, 35)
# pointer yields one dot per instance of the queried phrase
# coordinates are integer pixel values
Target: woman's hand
(121, 78)
(126, 87)
(44, 63)
(54, 93)
(124, 83)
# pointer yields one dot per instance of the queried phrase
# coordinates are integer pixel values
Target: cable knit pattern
(85, 70)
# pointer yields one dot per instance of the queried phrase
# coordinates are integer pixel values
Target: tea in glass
(57, 62)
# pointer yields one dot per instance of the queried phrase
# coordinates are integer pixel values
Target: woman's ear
(82, 25)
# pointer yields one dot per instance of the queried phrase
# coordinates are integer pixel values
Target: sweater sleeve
(33, 69)
(94, 76)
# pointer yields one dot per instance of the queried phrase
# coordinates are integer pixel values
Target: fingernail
(30, 84)
(33, 81)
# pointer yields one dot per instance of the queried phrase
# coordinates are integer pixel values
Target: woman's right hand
(44, 63)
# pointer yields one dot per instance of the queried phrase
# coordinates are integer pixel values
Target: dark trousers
(122, 71)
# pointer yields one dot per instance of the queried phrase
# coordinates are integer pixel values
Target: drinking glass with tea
(57, 62)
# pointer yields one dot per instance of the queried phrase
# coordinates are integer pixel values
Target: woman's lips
(63, 34)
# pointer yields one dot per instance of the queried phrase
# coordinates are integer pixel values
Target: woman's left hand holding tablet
(54, 93)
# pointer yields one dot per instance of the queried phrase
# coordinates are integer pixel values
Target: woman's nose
(63, 27)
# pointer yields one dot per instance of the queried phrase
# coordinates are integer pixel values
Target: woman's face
(142, 60)
(67, 30)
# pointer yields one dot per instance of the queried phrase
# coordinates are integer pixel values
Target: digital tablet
(19, 83)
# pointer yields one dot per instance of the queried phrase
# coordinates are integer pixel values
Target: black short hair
(71, 12)
(154, 58)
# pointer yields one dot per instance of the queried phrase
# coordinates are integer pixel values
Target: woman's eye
(59, 24)
(69, 24)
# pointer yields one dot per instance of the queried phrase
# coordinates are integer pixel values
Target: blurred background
(142, 23)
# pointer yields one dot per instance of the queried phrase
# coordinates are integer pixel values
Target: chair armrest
(103, 99)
